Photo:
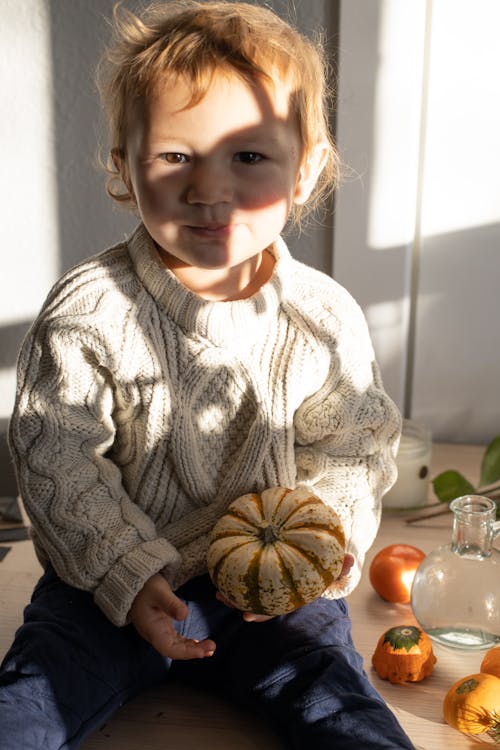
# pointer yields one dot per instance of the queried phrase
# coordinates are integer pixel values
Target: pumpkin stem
(270, 534)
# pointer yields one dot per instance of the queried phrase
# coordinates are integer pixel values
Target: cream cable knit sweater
(142, 410)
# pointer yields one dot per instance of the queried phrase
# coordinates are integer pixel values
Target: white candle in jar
(413, 462)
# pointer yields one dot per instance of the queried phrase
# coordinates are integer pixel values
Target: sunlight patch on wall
(458, 110)
(396, 128)
(7, 391)
(28, 190)
(463, 146)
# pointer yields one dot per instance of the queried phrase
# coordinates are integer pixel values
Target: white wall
(422, 184)
(417, 224)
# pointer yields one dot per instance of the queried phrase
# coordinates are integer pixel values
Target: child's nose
(209, 183)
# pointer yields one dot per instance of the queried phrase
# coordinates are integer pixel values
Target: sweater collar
(223, 323)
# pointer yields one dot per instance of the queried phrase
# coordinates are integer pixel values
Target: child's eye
(172, 157)
(249, 157)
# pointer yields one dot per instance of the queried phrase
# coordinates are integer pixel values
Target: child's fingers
(348, 563)
(169, 643)
(250, 617)
(158, 629)
(190, 649)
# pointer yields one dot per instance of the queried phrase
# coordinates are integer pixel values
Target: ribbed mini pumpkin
(275, 551)
(403, 654)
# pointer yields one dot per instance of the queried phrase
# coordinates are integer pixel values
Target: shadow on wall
(10, 339)
(456, 332)
(8, 485)
(88, 221)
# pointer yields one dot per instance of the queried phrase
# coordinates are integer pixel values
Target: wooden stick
(488, 488)
(423, 517)
(492, 491)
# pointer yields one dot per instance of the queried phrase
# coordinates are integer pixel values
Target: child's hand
(152, 612)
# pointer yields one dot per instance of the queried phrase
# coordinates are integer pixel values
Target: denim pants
(70, 668)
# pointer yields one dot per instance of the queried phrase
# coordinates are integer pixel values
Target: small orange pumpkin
(276, 551)
(472, 705)
(404, 654)
(491, 662)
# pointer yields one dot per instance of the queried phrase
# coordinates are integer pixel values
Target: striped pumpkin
(276, 551)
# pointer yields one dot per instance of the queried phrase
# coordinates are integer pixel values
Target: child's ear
(309, 171)
(120, 161)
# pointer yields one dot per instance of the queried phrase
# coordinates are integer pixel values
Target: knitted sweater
(143, 410)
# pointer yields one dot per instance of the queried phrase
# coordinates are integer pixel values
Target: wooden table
(191, 720)
(418, 706)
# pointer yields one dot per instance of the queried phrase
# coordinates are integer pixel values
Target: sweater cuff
(117, 591)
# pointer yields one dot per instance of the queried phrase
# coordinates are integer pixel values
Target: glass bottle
(456, 590)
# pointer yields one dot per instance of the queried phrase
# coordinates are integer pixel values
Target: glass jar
(456, 590)
(413, 463)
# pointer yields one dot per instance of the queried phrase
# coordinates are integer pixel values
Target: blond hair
(196, 39)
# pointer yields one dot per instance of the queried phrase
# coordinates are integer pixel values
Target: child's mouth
(212, 230)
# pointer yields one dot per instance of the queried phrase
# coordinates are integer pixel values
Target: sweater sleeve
(347, 434)
(60, 433)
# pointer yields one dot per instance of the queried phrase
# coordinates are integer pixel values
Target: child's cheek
(267, 192)
(156, 187)
(267, 199)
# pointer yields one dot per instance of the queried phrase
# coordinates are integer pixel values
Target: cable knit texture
(143, 410)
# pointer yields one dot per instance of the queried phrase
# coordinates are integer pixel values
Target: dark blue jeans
(69, 669)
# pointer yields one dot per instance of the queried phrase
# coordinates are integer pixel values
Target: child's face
(214, 182)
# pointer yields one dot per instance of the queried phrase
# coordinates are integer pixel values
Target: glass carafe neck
(473, 525)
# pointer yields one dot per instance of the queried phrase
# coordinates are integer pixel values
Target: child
(180, 369)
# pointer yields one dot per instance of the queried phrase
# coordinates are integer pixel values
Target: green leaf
(451, 484)
(490, 466)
